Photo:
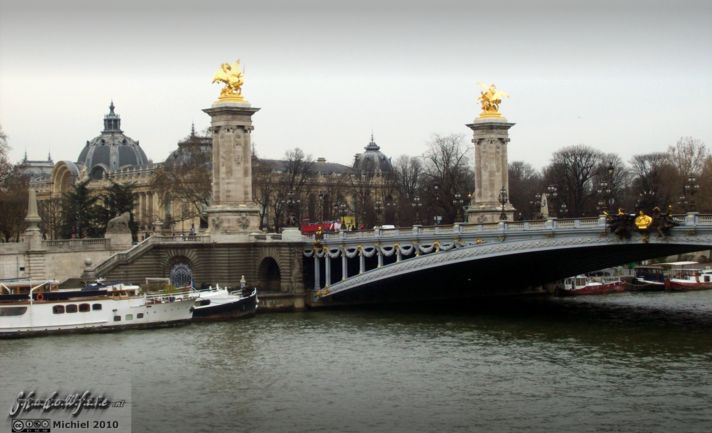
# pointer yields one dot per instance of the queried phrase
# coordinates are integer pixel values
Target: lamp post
(322, 199)
(563, 209)
(458, 202)
(378, 207)
(416, 206)
(536, 206)
(391, 209)
(554, 194)
(605, 190)
(503, 200)
(291, 202)
(646, 199)
(691, 187)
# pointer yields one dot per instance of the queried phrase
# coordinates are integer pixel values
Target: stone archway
(269, 275)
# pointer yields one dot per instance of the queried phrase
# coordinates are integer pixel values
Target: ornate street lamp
(646, 199)
(563, 209)
(322, 202)
(553, 194)
(536, 206)
(378, 207)
(458, 203)
(291, 203)
(691, 187)
(417, 205)
(391, 209)
(503, 200)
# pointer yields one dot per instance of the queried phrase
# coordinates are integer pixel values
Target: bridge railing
(552, 224)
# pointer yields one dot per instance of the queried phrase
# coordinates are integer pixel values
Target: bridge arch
(269, 275)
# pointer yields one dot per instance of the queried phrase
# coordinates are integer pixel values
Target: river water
(616, 363)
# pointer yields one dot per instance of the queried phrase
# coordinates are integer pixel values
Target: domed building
(112, 150)
(372, 162)
(192, 147)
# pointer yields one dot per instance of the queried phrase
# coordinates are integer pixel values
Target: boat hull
(239, 307)
(93, 314)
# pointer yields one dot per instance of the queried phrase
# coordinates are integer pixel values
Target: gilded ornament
(490, 98)
(230, 74)
(643, 221)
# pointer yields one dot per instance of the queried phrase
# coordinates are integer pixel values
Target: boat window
(117, 318)
(96, 307)
(84, 308)
(71, 308)
(58, 309)
(12, 311)
(139, 316)
(129, 317)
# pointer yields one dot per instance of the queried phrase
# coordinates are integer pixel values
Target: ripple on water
(615, 363)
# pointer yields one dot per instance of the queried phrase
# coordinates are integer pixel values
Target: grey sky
(627, 78)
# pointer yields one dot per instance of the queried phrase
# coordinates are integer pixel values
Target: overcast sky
(626, 77)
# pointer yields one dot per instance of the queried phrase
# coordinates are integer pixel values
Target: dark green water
(618, 363)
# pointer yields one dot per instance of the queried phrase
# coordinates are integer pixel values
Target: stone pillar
(491, 136)
(361, 263)
(327, 270)
(32, 234)
(36, 255)
(344, 266)
(232, 211)
(317, 271)
(380, 257)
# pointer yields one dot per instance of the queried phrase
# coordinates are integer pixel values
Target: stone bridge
(465, 259)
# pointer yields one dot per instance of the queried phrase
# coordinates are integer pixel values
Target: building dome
(112, 150)
(193, 149)
(372, 161)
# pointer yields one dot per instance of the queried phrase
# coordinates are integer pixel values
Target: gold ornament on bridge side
(231, 75)
(490, 98)
(643, 221)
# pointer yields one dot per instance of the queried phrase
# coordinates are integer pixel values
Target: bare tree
(688, 156)
(263, 187)
(572, 170)
(298, 168)
(186, 179)
(524, 183)
(408, 177)
(654, 180)
(5, 166)
(13, 202)
(447, 173)
(50, 210)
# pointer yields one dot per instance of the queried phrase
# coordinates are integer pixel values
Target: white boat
(221, 303)
(102, 307)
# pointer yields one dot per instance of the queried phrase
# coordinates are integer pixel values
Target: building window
(84, 308)
(129, 317)
(58, 309)
(117, 318)
(96, 307)
(71, 308)
(139, 316)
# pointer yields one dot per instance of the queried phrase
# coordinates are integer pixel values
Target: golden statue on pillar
(490, 98)
(231, 75)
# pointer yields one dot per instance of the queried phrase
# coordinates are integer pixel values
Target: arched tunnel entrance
(269, 275)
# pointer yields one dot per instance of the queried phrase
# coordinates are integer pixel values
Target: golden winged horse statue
(490, 98)
(231, 75)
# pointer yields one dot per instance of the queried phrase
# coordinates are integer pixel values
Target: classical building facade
(358, 193)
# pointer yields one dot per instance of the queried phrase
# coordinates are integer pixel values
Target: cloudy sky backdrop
(627, 77)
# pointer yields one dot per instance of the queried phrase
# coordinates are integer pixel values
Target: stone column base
(233, 219)
(488, 215)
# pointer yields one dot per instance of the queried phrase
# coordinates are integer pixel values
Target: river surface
(616, 363)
